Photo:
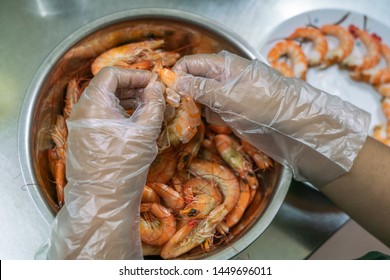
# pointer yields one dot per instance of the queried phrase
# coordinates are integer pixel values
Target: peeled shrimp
(320, 48)
(372, 57)
(295, 55)
(344, 47)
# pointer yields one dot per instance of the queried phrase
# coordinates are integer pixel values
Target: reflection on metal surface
(46, 8)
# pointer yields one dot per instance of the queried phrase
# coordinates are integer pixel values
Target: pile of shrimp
(289, 58)
(203, 178)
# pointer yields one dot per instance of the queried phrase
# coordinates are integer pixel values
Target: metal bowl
(44, 100)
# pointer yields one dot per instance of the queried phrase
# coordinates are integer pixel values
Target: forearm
(364, 192)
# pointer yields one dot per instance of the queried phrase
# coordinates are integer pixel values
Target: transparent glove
(316, 134)
(108, 158)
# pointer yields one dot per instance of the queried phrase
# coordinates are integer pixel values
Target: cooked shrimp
(163, 167)
(384, 89)
(386, 107)
(184, 126)
(140, 55)
(283, 68)
(295, 55)
(225, 179)
(57, 169)
(201, 197)
(193, 234)
(228, 148)
(372, 57)
(320, 44)
(157, 224)
(59, 134)
(262, 161)
(235, 215)
(220, 129)
(382, 133)
(344, 47)
(189, 151)
(72, 95)
(149, 195)
(171, 198)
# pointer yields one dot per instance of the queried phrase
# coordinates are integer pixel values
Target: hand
(108, 158)
(316, 134)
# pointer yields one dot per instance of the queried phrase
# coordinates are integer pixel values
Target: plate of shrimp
(340, 52)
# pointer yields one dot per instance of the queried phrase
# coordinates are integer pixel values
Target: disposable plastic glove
(108, 158)
(316, 134)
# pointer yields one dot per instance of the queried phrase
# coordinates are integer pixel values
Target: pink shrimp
(139, 55)
(295, 55)
(372, 57)
(157, 224)
(320, 48)
(228, 148)
(344, 47)
(225, 179)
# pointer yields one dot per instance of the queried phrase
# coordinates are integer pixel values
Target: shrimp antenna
(311, 24)
(342, 19)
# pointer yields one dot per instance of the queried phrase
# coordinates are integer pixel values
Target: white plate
(334, 80)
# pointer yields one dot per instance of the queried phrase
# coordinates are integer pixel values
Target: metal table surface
(30, 29)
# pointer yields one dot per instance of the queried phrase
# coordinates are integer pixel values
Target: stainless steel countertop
(30, 29)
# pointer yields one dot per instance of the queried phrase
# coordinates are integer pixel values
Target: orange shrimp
(384, 89)
(386, 107)
(193, 233)
(59, 134)
(189, 151)
(149, 195)
(382, 133)
(139, 55)
(225, 179)
(73, 94)
(372, 57)
(234, 216)
(184, 126)
(262, 161)
(320, 44)
(344, 47)
(295, 55)
(201, 197)
(283, 68)
(163, 167)
(228, 148)
(57, 168)
(220, 129)
(377, 77)
(171, 198)
(157, 224)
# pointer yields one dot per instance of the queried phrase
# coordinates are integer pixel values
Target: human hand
(108, 158)
(314, 133)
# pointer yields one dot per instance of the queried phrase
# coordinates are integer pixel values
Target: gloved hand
(314, 133)
(108, 158)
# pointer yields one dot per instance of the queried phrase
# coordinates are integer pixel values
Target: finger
(150, 111)
(202, 65)
(111, 78)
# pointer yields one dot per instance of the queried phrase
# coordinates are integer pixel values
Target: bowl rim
(25, 121)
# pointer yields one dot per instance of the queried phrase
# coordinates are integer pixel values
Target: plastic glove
(316, 134)
(108, 158)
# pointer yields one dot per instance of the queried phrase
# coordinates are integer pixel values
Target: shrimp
(171, 198)
(234, 216)
(59, 134)
(386, 107)
(57, 168)
(220, 129)
(262, 161)
(344, 47)
(73, 94)
(225, 179)
(184, 126)
(189, 151)
(150, 250)
(140, 55)
(294, 53)
(228, 148)
(283, 69)
(318, 39)
(372, 57)
(382, 133)
(384, 89)
(163, 167)
(157, 224)
(377, 76)
(201, 197)
(193, 234)
(149, 195)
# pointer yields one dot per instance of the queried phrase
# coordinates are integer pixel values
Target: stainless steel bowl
(44, 97)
